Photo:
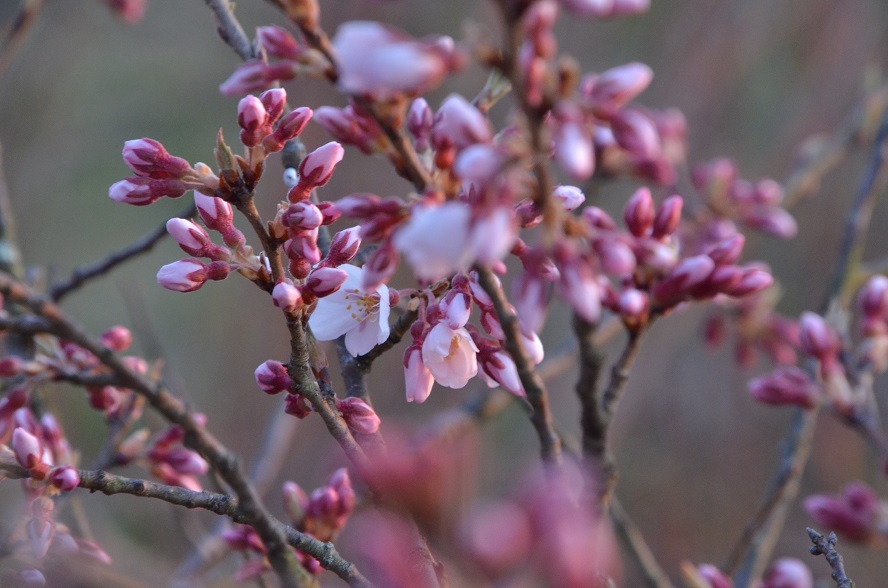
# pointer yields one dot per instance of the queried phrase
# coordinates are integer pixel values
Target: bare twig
(550, 442)
(230, 30)
(748, 558)
(173, 409)
(221, 504)
(633, 540)
(103, 266)
(826, 546)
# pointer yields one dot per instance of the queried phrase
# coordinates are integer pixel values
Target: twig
(220, 504)
(173, 409)
(748, 558)
(103, 266)
(826, 546)
(230, 30)
(550, 442)
(10, 256)
(638, 548)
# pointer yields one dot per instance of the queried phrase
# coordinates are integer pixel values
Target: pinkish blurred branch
(101, 267)
(826, 546)
(47, 314)
(550, 442)
(10, 256)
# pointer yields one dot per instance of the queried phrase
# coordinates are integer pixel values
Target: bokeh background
(695, 453)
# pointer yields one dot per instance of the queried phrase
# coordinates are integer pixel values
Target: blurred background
(695, 453)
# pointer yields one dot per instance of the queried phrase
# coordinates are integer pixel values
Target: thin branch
(176, 411)
(230, 29)
(103, 266)
(827, 547)
(10, 256)
(550, 442)
(753, 550)
(633, 540)
(220, 504)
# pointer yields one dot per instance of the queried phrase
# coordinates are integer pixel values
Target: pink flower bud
(500, 368)
(773, 221)
(635, 131)
(117, 338)
(786, 385)
(287, 129)
(459, 124)
(144, 191)
(272, 377)
(615, 256)
(256, 75)
(684, 277)
(667, 218)
(278, 43)
(478, 163)
(632, 303)
(274, 101)
(325, 280)
(302, 215)
(64, 478)
(456, 307)
(753, 280)
(715, 577)
(187, 462)
(215, 213)
(579, 285)
(639, 213)
(252, 118)
(287, 297)
(27, 448)
(295, 501)
(380, 266)
(418, 379)
(727, 251)
(303, 246)
(598, 218)
(816, 337)
(11, 366)
(40, 533)
(616, 87)
(344, 246)
(788, 572)
(873, 297)
(853, 514)
(316, 169)
(574, 150)
(33, 576)
(192, 238)
(358, 415)
(570, 197)
(419, 123)
(148, 159)
(297, 405)
(190, 274)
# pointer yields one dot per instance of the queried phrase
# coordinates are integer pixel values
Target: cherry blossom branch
(826, 546)
(101, 267)
(634, 541)
(230, 29)
(541, 418)
(176, 411)
(749, 556)
(220, 504)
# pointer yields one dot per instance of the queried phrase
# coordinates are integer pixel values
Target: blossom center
(361, 305)
(454, 347)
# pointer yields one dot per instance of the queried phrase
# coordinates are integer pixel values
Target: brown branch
(826, 546)
(101, 267)
(230, 30)
(220, 504)
(633, 540)
(550, 442)
(176, 411)
(753, 550)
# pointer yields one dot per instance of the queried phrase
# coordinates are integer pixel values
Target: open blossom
(450, 355)
(440, 240)
(352, 311)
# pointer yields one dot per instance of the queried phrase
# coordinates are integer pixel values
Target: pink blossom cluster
(786, 572)
(857, 514)
(322, 515)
